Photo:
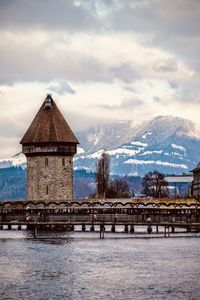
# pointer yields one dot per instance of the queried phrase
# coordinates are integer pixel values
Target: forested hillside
(13, 183)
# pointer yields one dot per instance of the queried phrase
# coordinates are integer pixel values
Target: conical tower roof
(49, 126)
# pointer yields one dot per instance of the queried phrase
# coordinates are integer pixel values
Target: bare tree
(119, 188)
(155, 185)
(102, 175)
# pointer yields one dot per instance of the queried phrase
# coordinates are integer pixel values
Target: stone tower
(49, 146)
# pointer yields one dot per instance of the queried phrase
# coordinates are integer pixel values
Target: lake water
(81, 266)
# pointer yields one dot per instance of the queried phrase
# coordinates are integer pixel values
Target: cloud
(125, 72)
(126, 104)
(61, 87)
(45, 14)
(170, 65)
(102, 60)
(83, 57)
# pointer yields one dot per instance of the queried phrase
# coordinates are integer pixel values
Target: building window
(63, 162)
(46, 161)
(47, 190)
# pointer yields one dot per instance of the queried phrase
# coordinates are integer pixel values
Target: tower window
(63, 162)
(47, 190)
(46, 161)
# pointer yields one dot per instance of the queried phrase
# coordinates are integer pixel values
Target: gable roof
(49, 126)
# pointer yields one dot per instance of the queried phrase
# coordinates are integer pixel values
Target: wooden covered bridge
(99, 214)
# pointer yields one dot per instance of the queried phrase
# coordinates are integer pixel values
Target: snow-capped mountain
(17, 160)
(167, 144)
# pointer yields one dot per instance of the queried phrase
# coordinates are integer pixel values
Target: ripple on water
(89, 268)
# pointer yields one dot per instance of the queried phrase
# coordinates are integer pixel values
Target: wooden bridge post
(113, 228)
(35, 231)
(167, 232)
(92, 228)
(102, 230)
(157, 230)
(126, 228)
(83, 227)
(132, 229)
(188, 228)
(149, 229)
(19, 227)
(1, 227)
(9, 226)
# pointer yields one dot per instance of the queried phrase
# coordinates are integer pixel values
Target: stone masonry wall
(50, 178)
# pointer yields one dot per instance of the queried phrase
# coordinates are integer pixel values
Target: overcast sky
(102, 60)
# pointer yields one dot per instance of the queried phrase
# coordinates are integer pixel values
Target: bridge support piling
(113, 228)
(72, 228)
(9, 226)
(126, 228)
(149, 229)
(20, 227)
(132, 229)
(83, 227)
(1, 227)
(173, 229)
(35, 232)
(157, 230)
(92, 228)
(102, 230)
(167, 232)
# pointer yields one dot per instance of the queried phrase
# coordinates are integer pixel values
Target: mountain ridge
(166, 143)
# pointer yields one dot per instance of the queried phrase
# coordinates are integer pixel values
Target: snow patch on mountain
(144, 136)
(151, 152)
(80, 150)
(152, 162)
(140, 144)
(17, 160)
(174, 146)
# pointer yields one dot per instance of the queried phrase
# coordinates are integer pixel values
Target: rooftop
(49, 126)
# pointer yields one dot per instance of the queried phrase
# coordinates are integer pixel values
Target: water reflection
(81, 266)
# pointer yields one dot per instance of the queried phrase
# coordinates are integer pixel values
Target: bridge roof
(49, 126)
